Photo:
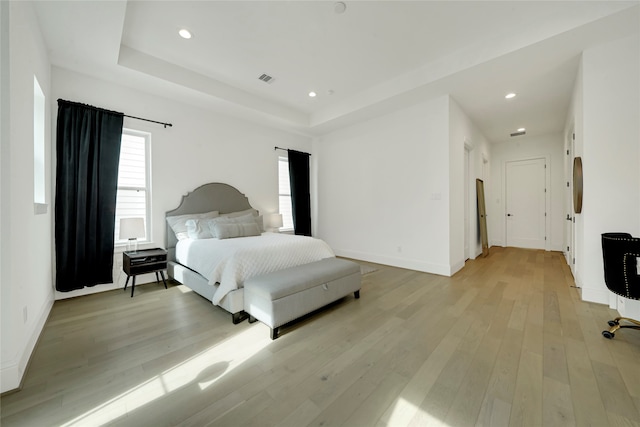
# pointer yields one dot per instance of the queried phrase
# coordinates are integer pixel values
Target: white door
(526, 204)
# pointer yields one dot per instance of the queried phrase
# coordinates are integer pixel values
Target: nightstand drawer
(147, 267)
(142, 258)
(147, 260)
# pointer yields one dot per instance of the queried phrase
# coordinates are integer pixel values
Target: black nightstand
(144, 261)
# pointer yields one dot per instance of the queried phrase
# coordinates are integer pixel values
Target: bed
(216, 268)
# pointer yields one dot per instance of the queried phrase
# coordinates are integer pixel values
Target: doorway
(526, 201)
(466, 204)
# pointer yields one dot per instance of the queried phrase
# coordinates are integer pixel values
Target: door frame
(547, 196)
(470, 226)
(467, 227)
(570, 229)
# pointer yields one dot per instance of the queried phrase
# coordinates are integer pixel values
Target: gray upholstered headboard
(208, 197)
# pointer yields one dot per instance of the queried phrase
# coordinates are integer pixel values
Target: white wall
(201, 147)
(387, 190)
(26, 257)
(575, 120)
(383, 188)
(462, 131)
(610, 152)
(545, 146)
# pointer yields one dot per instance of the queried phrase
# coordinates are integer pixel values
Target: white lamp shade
(131, 228)
(275, 220)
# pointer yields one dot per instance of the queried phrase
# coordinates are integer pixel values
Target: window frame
(122, 244)
(39, 152)
(284, 229)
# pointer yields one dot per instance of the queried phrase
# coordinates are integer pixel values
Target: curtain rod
(286, 149)
(149, 120)
(116, 112)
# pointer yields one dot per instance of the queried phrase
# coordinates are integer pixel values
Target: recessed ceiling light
(339, 7)
(521, 129)
(510, 95)
(312, 94)
(184, 33)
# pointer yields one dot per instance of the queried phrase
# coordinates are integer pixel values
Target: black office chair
(620, 252)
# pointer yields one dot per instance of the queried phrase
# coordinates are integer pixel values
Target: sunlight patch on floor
(205, 368)
(184, 289)
(406, 413)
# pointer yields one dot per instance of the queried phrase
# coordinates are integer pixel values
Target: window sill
(119, 248)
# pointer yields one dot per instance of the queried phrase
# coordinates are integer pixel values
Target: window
(134, 192)
(38, 143)
(284, 193)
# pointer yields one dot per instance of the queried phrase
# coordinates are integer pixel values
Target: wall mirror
(577, 185)
(482, 217)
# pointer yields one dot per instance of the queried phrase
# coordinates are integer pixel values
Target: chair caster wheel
(612, 323)
(608, 335)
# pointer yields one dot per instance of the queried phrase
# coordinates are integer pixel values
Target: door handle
(509, 214)
(568, 217)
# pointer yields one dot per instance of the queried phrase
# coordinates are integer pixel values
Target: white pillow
(255, 213)
(246, 218)
(260, 221)
(198, 229)
(240, 213)
(179, 223)
(230, 230)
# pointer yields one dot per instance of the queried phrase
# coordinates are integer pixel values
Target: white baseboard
(600, 296)
(408, 263)
(11, 374)
(627, 307)
(9, 377)
(119, 279)
(455, 268)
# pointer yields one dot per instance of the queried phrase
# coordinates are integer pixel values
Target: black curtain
(88, 153)
(300, 194)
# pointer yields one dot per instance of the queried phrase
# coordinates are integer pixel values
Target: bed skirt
(233, 302)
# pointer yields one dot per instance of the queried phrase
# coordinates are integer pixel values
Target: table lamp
(131, 229)
(275, 221)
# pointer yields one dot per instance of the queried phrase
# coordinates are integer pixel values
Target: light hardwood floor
(506, 341)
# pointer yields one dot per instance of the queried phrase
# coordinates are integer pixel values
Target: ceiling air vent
(518, 133)
(266, 78)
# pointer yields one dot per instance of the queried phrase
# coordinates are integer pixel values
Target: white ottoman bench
(282, 296)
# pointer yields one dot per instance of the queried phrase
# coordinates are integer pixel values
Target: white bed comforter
(230, 262)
